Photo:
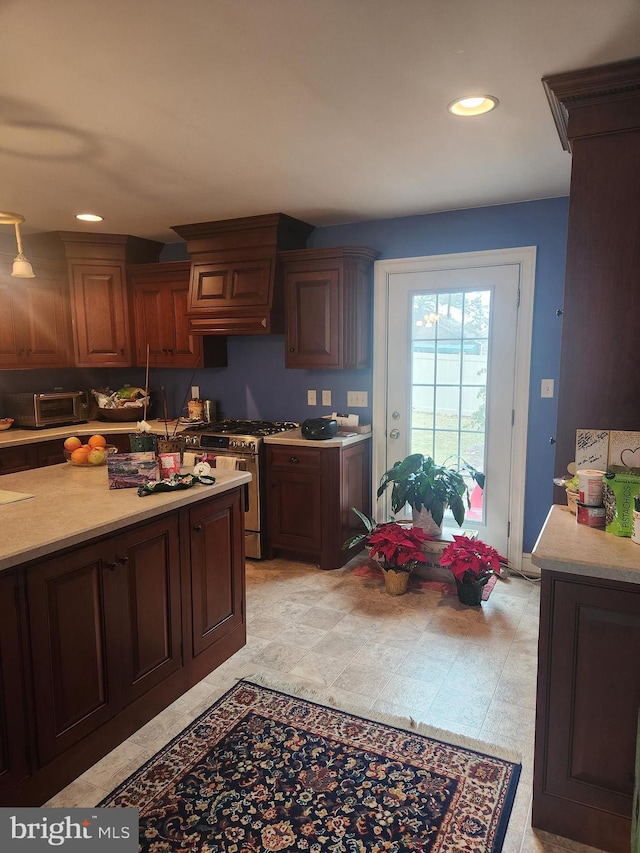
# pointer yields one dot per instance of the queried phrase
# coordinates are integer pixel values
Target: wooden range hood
(236, 286)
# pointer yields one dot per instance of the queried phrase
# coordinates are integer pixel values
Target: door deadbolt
(395, 415)
(395, 433)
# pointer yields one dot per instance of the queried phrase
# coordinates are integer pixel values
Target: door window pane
(449, 346)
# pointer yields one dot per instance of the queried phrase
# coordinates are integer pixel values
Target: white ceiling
(166, 112)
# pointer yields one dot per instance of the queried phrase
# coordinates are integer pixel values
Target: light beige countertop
(294, 437)
(73, 504)
(566, 546)
(13, 436)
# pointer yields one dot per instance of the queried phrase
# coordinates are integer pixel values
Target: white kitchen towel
(229, 463)
(7, 497)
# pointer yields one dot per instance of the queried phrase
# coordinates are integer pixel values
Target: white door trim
(525, 257)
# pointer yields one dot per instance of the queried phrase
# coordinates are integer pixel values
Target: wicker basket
(572, 501)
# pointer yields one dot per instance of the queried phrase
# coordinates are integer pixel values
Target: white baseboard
(527, 568)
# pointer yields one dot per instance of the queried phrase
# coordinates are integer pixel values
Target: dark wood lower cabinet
(310, 494)
(14, 760)
(587, 712)
(115, 630)
(217, 600)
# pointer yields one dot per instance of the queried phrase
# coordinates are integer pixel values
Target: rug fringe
(301, 691)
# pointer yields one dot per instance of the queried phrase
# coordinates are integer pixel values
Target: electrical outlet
(357, 399)
(326, 398)
(311, 398)
(195, 392)
(546, 388)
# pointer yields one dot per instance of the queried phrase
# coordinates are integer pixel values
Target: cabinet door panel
(13, 737)
(232, 284)
(45, 332)
(101, 315)
(150, 560)
(10, 335)
(313, 324)
(160, 296)
(74, 690)
(595, 696)
(217, 566)
(295, 519)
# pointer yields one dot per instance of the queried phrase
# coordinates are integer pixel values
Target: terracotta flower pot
(395, 582)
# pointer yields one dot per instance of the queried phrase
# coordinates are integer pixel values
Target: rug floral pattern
(265, 771)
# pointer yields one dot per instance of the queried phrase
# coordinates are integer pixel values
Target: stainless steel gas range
(242, 439)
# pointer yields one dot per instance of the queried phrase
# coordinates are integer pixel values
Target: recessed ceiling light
(473, 106)
(89, 217)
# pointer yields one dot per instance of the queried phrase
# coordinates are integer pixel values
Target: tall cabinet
(597, 112)
(588, 685)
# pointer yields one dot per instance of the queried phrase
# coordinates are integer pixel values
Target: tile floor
(423, 655)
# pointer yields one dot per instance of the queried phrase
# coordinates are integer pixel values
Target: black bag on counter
(319, 429)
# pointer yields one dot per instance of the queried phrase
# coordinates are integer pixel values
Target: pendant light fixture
(21, 266)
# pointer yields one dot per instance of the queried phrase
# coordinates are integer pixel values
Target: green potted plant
(397, 547)
(429, 489)
(472, 562)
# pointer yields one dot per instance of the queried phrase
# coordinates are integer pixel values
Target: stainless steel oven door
(253, 545)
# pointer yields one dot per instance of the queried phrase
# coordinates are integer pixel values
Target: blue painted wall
(256, 383)
(540, 223)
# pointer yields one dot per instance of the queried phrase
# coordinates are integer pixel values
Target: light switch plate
(546, 388)
(357, 399)
(311, 398)
(326, 398)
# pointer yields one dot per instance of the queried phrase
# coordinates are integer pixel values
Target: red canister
(592, 516)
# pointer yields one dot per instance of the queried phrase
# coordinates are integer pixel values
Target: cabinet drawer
(50, 453)
(294, 458)
(17, 458)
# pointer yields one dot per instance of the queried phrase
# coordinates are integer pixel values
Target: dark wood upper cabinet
(34, 318)
(160, 303)
(597, 111)
(329, 307)
(160, 293)
(235, 285)
(101, 304)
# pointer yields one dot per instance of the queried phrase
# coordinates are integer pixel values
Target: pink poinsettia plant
(471, 560)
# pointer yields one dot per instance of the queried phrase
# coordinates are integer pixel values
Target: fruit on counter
(94, 452)
(97, 456)
(81, 455)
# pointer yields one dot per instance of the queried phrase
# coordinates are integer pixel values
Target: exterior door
(450, 377)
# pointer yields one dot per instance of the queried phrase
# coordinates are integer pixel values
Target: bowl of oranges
(90, 454)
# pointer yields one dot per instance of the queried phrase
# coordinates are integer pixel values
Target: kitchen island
(112, 606)
(588, 683)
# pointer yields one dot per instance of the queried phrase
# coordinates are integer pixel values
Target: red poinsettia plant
(398, 546)
(471, 560)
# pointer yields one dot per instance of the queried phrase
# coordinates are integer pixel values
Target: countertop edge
(577, 549)
(123, 508)
(294, 438)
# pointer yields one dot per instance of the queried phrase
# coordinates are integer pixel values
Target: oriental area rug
(263, 770)
(371, 570)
